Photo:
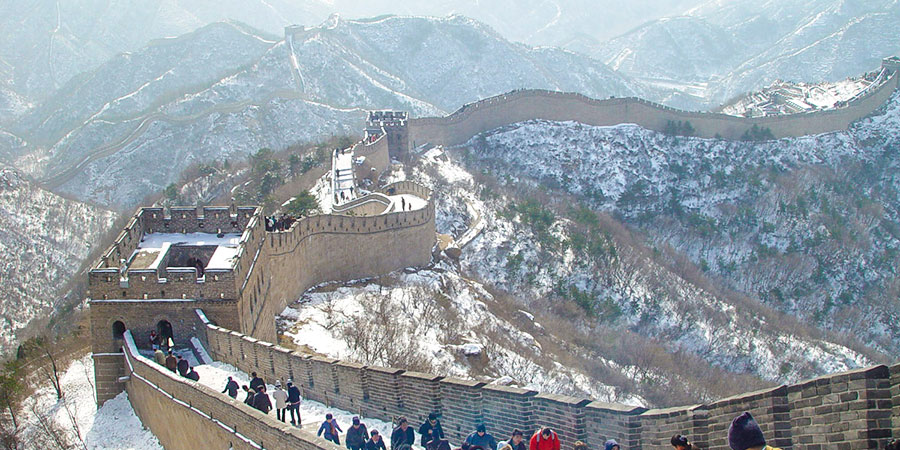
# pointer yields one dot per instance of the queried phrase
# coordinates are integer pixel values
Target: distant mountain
(44, 239)
(723, 49)
(224, 91)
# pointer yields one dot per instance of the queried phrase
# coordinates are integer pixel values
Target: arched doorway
(164, 330)
(118, 330)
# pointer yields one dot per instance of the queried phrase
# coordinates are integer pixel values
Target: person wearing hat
(544, 439)
(375, 442)
(431, 430)
(680, 442)
(403, 436)
(516, 441)
(280, 397)
(482, 439)
(357, 435)
(293, 401)
(611, 445)
(745, 434)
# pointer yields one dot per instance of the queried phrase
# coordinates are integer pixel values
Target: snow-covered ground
(312, 413)
(113, 426)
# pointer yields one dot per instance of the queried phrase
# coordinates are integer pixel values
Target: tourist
(171, 362)
(403, 436)
(611, 445)
(159, 356)
(680, 442)
(545, 439)
(280, 397)
(438, 444)
(357, 435)
(256, 382)
(154, 340)
(331, 429)
(294, 402)
(192, 375)
(481, 438)
(182, 366)
(431, 429)
(231, 387)
(402, 204)
(745, 434)
(580, 445)
(250, 393)
(516, 441)
(375, 442)
(261, 400)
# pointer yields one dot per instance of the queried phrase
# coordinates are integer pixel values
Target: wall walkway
(184, 414)
(851, 410)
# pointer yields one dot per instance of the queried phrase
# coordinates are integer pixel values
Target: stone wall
(523, 105)
(184, 414)
(851, 410)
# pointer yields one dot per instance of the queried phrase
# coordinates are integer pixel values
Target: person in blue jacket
(481, 438)
(331, 429)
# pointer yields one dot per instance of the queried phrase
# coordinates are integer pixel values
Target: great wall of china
(230, 309)
(530, 104)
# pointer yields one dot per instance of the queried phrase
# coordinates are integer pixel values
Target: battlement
(891, 64)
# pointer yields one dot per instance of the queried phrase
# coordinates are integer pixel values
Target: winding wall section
(523, 105)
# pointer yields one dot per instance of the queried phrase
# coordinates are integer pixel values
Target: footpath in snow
(312, 413)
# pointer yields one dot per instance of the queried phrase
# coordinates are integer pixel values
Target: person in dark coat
(680, 442)
(331, 429)
(375, 442)
(182, 366)
(357, 435)
(250, 393)
(293, 401)
(516, 441)
(403, 436)
(192, 375)
(256, 382)
(231, 387)
(261, 401)
(171, 362)
(481, 438)
(745, 434)
(431, 429)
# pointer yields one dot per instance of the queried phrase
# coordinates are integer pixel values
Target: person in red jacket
(545, 439)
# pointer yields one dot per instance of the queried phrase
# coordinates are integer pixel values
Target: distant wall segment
(850, 410)
(524, 105)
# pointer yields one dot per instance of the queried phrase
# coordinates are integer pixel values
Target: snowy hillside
(44, 239)
(807, 226)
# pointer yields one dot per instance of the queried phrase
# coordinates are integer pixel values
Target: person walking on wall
(403, 437)
(579, 445)
(745, 434)
(516, 441)
(171, 362)
(182, 366)
(231, 387)
(248, 400)
(256, 382)
(431, 429)
(280, 396)
(375, 442)
(611, 445)
(331, 429)
(159, 356)
(261, 400)
(481, 438)
(192, 375)
(294, 402)
(545, 439)
(680, 442)
(357, 435)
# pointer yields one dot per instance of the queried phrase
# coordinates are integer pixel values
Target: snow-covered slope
(44, 239)
(807, 226)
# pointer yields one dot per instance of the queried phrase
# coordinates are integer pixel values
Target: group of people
(175, 363)
(286, 400)
(282, 223)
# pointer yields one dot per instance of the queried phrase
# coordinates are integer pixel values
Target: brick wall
(183, 414)
(519, 106)
(851, 410)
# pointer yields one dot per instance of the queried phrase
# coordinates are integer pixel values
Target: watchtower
(891, 64)
(394, 124)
